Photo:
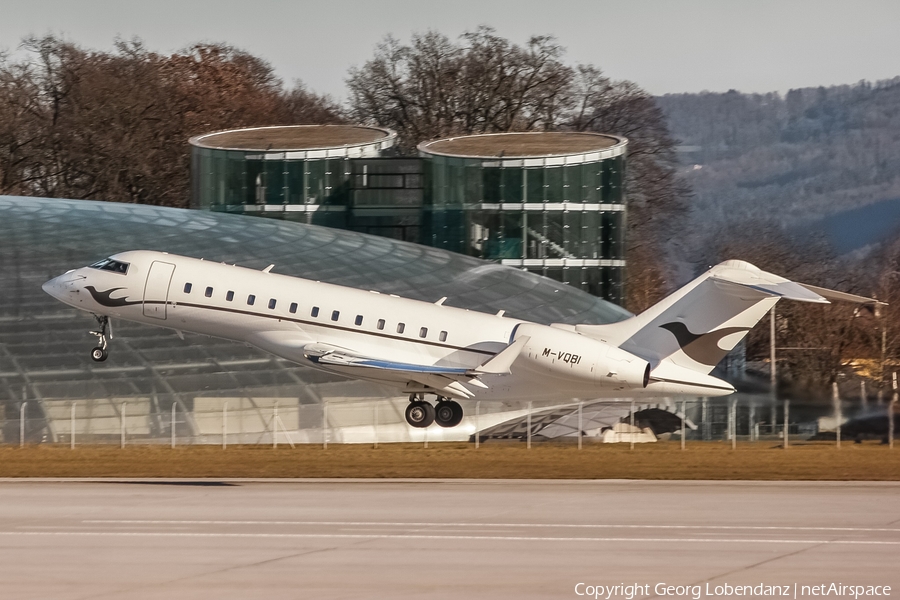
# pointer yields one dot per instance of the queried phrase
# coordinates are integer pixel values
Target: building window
(293, 307)
(229, 296)
(400, 327)
(315, 311)
(443, 336)
(187, 288)
(359, 319)
(208, 292)
(335, 315)
(380, 324)
(271, 303)
(251, 299)
(423, 331)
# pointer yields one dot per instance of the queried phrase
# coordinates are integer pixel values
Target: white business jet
(428, 348)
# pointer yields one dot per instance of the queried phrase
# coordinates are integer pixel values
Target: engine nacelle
(578, 359)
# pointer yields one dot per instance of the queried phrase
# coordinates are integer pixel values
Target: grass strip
(701, 460)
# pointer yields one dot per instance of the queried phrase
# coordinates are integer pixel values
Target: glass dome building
(153, 375)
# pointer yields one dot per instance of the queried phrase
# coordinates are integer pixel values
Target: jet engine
(579, 360)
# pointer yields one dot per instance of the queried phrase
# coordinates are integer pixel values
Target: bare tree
(435, 87)
(114, 125)
(19, 126)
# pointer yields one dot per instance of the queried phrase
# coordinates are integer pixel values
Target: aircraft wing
(445, 380)
(342, 359)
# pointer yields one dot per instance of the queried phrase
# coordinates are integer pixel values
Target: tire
(99, 354)
(420, 414)
(448, 413)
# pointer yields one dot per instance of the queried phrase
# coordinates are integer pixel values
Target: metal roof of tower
(286, 138)
(530, 144)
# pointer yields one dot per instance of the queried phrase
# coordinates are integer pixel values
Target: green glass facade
(311, 185)
(271, 185)
(562, 216)
(559, 216)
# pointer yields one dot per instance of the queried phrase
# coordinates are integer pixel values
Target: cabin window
(423, 331)
(229, 296)
(443, 336)
(315, 311)
(251, 299)
(359, 319)
(400, 327)
(187, 288)
(271, 303)
(380, 324)
(335, 315)
(293, 307)
(208, 293)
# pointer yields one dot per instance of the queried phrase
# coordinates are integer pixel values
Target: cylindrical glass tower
(297, 172)
(549, 202)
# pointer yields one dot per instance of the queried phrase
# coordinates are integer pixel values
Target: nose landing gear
(419, 413)
(100, 353)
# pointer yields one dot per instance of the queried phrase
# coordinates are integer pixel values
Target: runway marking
(390, 536)
(543, 525)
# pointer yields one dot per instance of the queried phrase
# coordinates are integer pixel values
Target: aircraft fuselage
(293, 318)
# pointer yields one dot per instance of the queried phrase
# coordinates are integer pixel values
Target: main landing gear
(100, 353)
(446, 413)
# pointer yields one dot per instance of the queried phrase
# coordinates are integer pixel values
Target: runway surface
(438, 539)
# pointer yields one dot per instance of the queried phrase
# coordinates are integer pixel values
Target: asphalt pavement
(444, 539)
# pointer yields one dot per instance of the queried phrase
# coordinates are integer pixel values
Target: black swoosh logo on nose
(702, 347)
(103, 298)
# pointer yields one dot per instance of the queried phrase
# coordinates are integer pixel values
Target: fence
(168, 419)
(162, 419)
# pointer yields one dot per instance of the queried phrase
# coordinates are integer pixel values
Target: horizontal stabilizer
(782, 289)
(841, 296)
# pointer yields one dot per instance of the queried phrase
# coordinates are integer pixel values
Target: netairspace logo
(696, 592)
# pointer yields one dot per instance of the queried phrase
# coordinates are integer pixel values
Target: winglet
(502, 361)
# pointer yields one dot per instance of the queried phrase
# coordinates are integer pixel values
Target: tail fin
(698, 325)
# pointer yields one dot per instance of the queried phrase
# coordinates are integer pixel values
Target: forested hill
(795, 159)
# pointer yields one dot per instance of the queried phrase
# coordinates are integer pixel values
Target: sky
(666, 46)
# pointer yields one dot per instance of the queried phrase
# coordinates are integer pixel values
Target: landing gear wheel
(100, 353)
(448, 413)
(420, 414)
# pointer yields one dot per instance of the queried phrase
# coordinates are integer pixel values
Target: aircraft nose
(49, 286)
(59, 287)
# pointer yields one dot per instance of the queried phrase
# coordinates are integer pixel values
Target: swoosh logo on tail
(103, 298)
(702, 347)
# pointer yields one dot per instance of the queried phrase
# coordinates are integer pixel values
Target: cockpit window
(108, 264)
